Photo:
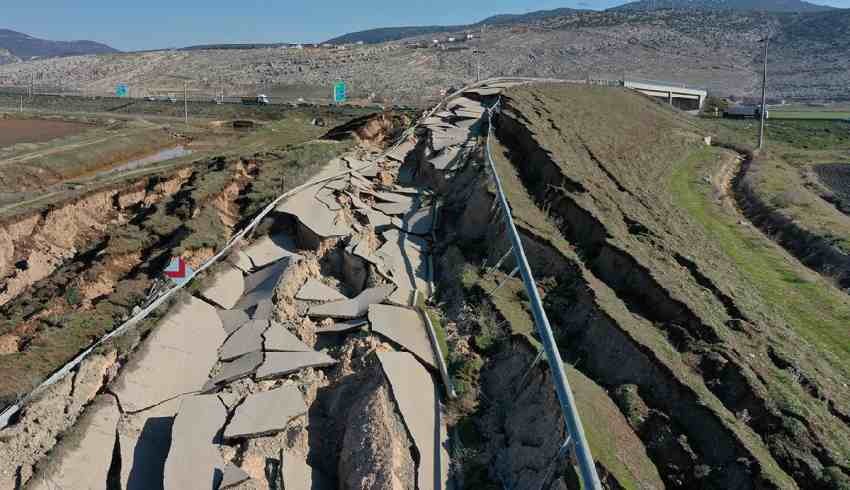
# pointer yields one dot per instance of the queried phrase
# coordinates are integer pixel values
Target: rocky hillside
(718, 50)
(25, 47)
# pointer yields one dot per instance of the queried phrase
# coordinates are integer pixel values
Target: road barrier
(575, 430)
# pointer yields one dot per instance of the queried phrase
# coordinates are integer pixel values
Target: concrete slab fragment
(328, 198)
(84, 465)
(418, 222)
(343, 327)
(400, 153)
(377, 219)
(355, 307)
(316, 290)
(319, 219)
(445, 159)
(193, 459)
(338, 184)
(415, 394)
(273, 271)
(404, 327)
(279, 338)
(248, 338)
(266, 413)
(241, 261)
(239, 368)
(232, 319)
(144, 439)
(260, 286)
(296, 474)
(395, 208)
(263, 311)
(228, 286)
(279, 364)
(232, 476)
(369, 171)
(175, 359)
(270, 249)
(386, 196)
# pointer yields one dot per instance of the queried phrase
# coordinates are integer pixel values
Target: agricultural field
(836, 178)
(784, 194)
(834, 111)
(14, 131)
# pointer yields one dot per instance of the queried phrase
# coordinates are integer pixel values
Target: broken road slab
(415, 394)
(266, 413)
(316, 290)
(400, 152)
(144, 439)
(248, 338)
(228, 286)
(232, 475)
(314, 215)
(260, 286)
(175, 359)
(232, 319)
(343, 327)
(193, 459)
(270, 249)
(445, 159)
(405, 327)
(296, 474)
(239, 368)
(355, 307)
(418, 222)
(86, 464)
(279, 364)
(278, 338)
(395, 208)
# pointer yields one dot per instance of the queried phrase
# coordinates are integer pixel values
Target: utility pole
(186, 101)
(763, 95)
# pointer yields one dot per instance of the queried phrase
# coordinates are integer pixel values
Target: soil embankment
(644, 305)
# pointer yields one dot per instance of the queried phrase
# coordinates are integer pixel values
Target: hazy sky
(149, 24)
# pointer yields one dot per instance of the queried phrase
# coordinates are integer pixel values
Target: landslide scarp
(722, 391)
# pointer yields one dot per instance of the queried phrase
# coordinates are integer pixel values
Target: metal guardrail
(575, 430)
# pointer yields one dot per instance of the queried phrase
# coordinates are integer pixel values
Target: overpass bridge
(681, 96)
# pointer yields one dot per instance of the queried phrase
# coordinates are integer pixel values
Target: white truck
(261, 99)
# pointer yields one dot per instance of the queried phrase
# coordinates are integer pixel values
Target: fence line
(575, 430)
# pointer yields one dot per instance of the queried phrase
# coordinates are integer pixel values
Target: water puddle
(161, 156)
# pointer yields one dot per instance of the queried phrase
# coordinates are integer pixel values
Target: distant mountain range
(15, 46)
(384, 34)
(774, 6)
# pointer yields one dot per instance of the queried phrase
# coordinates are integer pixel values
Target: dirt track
(13, 131)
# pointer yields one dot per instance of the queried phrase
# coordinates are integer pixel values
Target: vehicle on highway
(261, 99)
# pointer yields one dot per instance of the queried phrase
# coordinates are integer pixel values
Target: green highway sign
(339, 92)
(122, 90)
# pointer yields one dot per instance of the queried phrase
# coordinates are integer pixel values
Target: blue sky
(149, 24)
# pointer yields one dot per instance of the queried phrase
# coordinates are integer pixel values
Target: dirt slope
(723, 392)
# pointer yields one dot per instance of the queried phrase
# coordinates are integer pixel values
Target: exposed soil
(13, 131)
(646, 309)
